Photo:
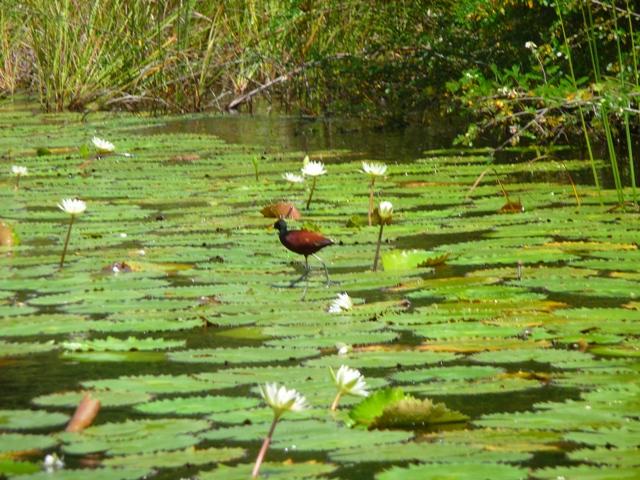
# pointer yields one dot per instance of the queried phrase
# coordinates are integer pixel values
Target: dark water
(281, 133)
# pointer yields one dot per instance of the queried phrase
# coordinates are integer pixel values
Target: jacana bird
(303, 242)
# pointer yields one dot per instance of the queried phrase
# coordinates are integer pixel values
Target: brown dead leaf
(512, 207)
(281, 210)
(84, 415)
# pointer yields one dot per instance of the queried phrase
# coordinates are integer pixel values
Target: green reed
(583, 122)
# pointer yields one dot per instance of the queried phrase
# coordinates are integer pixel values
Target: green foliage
(391, 408)
(366, 412)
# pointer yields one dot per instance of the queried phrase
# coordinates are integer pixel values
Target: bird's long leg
(304, 275)
(326, 270)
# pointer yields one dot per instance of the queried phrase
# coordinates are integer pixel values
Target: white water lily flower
(342, 303)
(293, 177)
(52, 463)
(374, 169)
(72, 206)
(19, 170)
(103, 146)
(281, 399)
(385, 210)
(349, 381)
(313, 169)
(342, 348)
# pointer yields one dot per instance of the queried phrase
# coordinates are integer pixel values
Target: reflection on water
(280, 133)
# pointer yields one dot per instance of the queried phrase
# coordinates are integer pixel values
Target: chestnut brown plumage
(303, 242)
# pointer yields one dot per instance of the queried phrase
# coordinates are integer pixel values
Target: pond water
(525, 325)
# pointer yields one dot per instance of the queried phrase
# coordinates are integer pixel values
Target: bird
(303, 242)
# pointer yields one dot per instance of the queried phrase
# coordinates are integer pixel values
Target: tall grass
(12, 54)
(186, 55)
(621, 94)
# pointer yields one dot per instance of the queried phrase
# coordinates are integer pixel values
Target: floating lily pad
(309, 435)
(197, 405)
(458, 373)
(241, 355)
(107, 398)
(460, 471)
(17, 443)
(156, 384)
(418, 452)
(135, 436)
(408, 259)
(177, 458)
(112, 344)
(11, 467)
(30, 419)
(130, 473)
(586, 472)
(17, 349)
(285, 470)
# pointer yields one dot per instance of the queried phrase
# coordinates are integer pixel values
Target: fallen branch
(282, 78)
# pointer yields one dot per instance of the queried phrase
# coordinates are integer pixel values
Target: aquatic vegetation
(73, 207)
(52, 462)
(293, 177)
(19, 171)
(342, 303)
(281, 400)
(373, 170)
(385, 214)
(521, 330)
(102, 146)
(312, 169)
(349, 381)
(391, 408)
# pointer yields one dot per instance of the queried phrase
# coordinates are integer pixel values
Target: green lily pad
(156, 384)
(241, 355)
(409, 259)
(23, 348)
(11, 467)
(134, 436)
(14, 443)
(308, 435)
(107, 398)
(30, 419)
(447, 471)
(131, 473)
(197, 405)
(285, 470)
(586, 472)
(112, 344)
(176, 458)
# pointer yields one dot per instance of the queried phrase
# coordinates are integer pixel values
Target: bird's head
(280, 225)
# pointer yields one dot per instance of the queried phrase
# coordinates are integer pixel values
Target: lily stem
(264, 448)
(375, 260)
(334, 405)
(313, 188)
(373, 181)
(66, 242)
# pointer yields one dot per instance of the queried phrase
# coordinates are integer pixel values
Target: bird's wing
(308, 238)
